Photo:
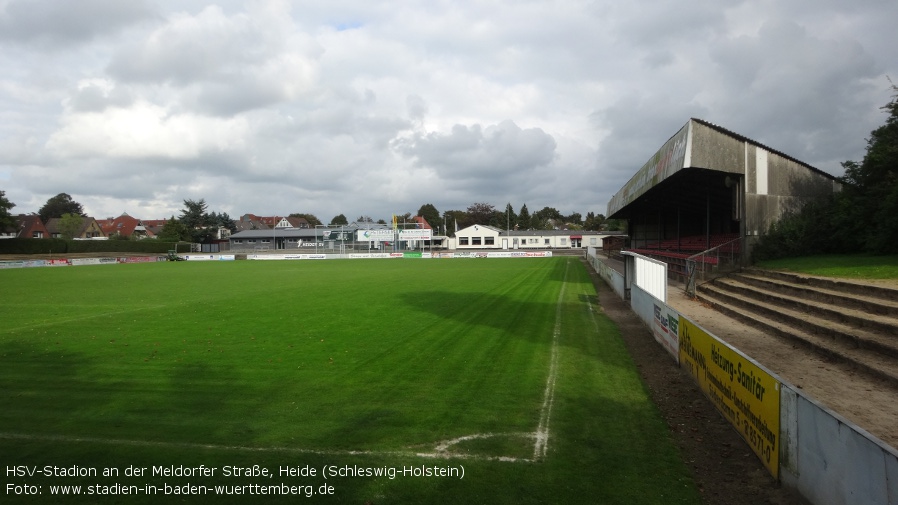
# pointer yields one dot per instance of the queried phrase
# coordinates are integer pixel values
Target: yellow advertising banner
(746, 395)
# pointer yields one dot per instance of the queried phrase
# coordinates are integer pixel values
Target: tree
(194, 215)
(430, 214)
(70, 225)
(594, 222)
(364, 219)
(511, 219)
(59, 205)
(313, 221)
(223, 220)
(872, 186)
(202, 226)
(480, 213)
(174, 231)
(6, 219)
(615, 225)
(548, 213)
(339, 219)
(524, 219)
(575, 218)
(455, 220)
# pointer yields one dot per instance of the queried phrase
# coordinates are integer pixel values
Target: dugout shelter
(710, 189)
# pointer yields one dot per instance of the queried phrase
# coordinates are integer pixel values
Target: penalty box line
(439, 453)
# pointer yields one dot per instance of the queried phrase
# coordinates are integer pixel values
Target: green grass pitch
(503, 370)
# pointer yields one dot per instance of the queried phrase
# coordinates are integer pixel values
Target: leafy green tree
(339, 219)
(59, 205)
(539, 223)
(430, 214)
(872, 186)
(311, 218)
(593, 222)
(6, 218)
(548, 213)
(480, 213)
(454, 219)
(195, 214)
(223, 220)
(70, 225)
(575, 219)
(174, 231)
(202, 226)
(615, 225)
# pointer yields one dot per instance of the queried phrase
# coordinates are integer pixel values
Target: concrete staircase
(845, 321)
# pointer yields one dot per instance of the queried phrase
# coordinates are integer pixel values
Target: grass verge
(850, 266)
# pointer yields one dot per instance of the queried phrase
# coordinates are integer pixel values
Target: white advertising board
(379, 235)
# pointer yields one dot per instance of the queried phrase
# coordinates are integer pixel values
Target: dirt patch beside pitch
(725, 469)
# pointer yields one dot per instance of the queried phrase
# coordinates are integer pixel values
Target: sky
(374, 108)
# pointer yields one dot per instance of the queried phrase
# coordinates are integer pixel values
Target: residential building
(89, 229)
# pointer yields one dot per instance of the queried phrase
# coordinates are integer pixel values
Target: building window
(251, 241)
(462, 240)
(563, 241)
(489, 240)
(238, 241)
(592, 241)
(547, 242)
(475, 241)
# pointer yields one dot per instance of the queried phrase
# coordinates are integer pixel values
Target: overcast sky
(362, 107)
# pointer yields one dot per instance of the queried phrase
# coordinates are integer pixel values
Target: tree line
(197, 224)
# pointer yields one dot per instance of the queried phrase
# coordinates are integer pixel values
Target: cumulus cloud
(49, 23)
(144, 130)
(221, 64)
(469, 153)
(365, 108)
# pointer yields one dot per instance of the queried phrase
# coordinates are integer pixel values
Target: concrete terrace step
(854, 311)
(804, 317)
(864, 359)
(885, 296)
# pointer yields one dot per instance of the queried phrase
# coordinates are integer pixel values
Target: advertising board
(665, 327)
(744, 393)
(383, 235)
(417, 234)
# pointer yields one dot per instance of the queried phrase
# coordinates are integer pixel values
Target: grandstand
(703, 199)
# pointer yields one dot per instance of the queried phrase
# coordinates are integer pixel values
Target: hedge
(62, 246)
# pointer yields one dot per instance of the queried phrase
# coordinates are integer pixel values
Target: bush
(33, 246)
(61, 246)
(816, 229)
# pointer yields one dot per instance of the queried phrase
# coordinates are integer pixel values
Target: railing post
(690, 277)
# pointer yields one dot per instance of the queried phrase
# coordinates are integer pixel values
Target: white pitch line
(542, 430)
(440, 452)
